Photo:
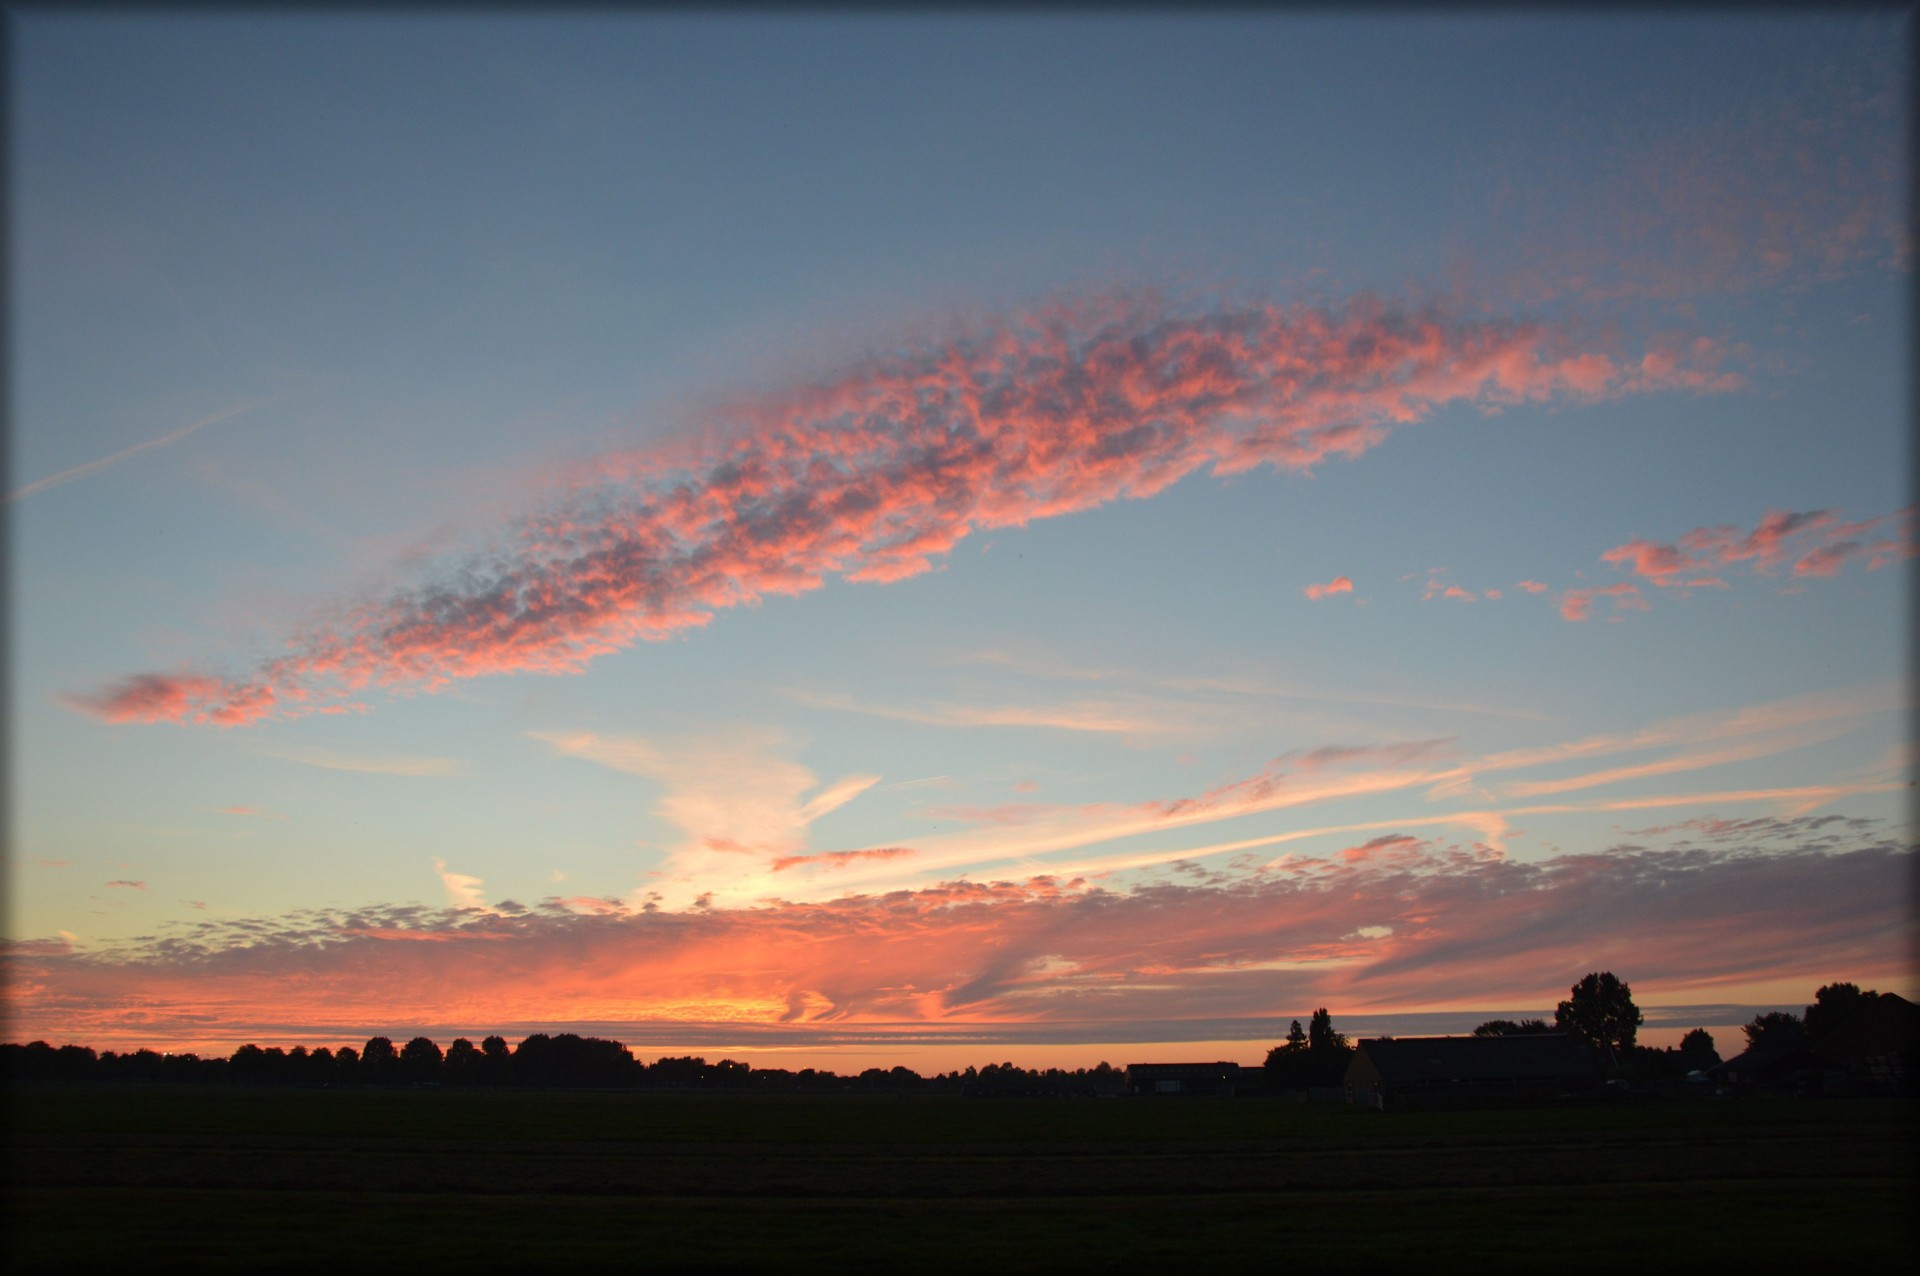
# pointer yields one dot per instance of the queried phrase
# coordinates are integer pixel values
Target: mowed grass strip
(1587, 1229)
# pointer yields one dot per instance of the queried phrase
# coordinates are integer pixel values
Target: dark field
(307, 1180)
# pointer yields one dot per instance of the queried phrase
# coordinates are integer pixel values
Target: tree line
(1600, 1013)
(562, 1060)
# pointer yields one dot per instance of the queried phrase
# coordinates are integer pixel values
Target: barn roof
(1546, 1055)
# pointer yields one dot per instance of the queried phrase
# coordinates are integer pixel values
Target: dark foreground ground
(358, 1181)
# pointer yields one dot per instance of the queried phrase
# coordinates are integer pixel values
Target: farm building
(1788, 1065)
(1433, 1071)
(1190, 1078)
(1878, 1046)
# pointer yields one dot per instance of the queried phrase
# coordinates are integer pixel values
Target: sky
(842, 539)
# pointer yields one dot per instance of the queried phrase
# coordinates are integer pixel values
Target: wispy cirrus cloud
(410, 765)
(1102, 717)
(1236, 686)
(740, 800)
(876, 475)
(737, 795)
(1679, 763)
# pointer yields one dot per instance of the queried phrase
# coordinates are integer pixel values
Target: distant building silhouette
(1393, 1072)
(1192, 1078)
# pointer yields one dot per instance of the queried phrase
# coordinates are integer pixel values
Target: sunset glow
(1102, 540)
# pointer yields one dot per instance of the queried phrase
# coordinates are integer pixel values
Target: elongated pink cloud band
(875, 475)
(1338, 585)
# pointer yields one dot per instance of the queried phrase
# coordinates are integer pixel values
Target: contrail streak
(128, 453)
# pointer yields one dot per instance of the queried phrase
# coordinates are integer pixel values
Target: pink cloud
(1531, 587)
(123, 882)
(1338, 585)
(875, 475)
(1818, 541)
(1577, 604)
(1807, 187)
(1380, 847)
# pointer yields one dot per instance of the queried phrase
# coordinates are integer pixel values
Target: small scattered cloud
(127, 884)
(252, 811)
(1338, 585)
(1577, 604)
(1818, 543)
(463, 890)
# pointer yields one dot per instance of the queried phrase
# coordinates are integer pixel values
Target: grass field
(309, 1180)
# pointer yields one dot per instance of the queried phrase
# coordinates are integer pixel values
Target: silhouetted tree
(497, 1067)
(1600, 1012)
(1775, 1025)
(420, 1060)
(1512, 1028)
(1327, 1050)
(346, 1065)
(463, 1063)
(570, 1059)
(247, 1065)
(1832, 1004)
(1696, 1050)
(1288, 1066)
(379, 1062)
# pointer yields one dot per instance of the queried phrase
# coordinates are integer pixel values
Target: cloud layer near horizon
(875, 475)
(1397, 922)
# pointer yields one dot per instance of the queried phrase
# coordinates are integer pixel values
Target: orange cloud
(1399, 926)
(1338, 585)
(836, 859)
(873, 476)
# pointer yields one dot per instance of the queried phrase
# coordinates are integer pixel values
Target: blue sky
(316, 316)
